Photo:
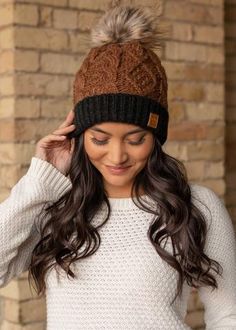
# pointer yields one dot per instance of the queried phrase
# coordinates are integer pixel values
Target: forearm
(220, 304)
(18, 214)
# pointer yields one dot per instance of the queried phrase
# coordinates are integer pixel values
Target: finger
(65, 130)
(51, 141)
(53, 138)
(69, 119)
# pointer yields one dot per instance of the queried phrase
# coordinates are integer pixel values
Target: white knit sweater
(125, 284)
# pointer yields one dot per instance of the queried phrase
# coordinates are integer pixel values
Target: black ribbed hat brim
(119, 107)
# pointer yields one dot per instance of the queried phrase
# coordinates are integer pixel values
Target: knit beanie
(122, 78)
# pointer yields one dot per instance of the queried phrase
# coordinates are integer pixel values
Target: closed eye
(102, 142)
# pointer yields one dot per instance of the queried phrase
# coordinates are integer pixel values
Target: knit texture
(135, 74)
(122, 68)
(125, 284)
(113, 107)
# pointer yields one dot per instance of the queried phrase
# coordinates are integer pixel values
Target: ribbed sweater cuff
(48, 175)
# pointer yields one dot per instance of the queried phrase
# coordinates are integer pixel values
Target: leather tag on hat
(153, 120)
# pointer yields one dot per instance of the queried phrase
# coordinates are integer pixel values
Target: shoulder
(211, 206)
(220, 239)
(203, 193)
(205, 199)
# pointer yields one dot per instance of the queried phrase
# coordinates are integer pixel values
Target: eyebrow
(137, 130)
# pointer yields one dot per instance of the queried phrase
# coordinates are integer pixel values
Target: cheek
(93, 152)
(144, 152)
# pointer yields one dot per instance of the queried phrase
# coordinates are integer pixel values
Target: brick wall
(194, 59)
(39, 55)
(19, 112)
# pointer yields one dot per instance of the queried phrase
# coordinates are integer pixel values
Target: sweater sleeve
(220, 304)
(41, 184)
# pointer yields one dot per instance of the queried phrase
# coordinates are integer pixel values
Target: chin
(117, 181)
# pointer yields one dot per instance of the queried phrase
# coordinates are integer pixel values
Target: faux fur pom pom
(126, 23)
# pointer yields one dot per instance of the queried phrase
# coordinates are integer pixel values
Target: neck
(124, 194)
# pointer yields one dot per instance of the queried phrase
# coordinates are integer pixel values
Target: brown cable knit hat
(122, 79)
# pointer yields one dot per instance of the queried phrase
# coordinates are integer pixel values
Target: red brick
(9, 175)
(7, 14)
(182, 31)
(202, 150)
(65, 19)
(194, 71)
(56, 3)
(45, 16)
(41, 85)
(194, 52)
(26, 14)
(7, 132)
(87, 20)
(204, 111)
(54, 63)
(208, 34)
(209, 2)
(7, 87)
(33, 310)
(92, 5)
(7, 107)
(6, 61)
(26, 60)
(189, 12)
(27, 107)
(7, 40)
(186, 91)
(185, 51)
(34, 38)
(195, 169)
(32, 130)
(177, 112)
(188, 131)
(56, 108)
(217, 185)
(79, 42)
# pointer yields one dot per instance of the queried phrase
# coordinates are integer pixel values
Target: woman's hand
(57, 148)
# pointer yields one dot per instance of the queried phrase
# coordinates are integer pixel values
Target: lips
(117, 167)
(118, 170)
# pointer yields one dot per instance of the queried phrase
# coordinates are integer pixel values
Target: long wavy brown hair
(69, 220)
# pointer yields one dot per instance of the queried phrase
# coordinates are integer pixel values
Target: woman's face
(118, 145)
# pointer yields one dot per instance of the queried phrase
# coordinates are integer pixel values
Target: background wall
(42, 44)
(230, 103)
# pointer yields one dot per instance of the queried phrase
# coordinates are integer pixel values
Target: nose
(117, 154)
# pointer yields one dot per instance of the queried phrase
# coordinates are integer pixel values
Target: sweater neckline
(124, 202)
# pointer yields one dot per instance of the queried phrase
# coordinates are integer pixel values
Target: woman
(106, 221)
